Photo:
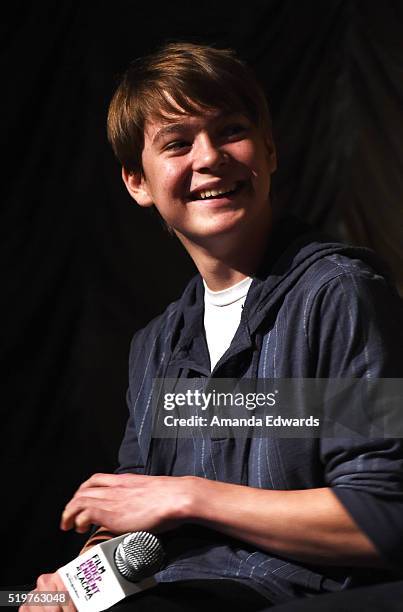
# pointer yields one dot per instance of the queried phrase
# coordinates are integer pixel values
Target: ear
(271, 154)
(136, 185)
(273, 158)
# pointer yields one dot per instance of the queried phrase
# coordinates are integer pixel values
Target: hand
(49, 582)
(129, 502)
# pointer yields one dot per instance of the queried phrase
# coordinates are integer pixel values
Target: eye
(177, 145)
(234, 130)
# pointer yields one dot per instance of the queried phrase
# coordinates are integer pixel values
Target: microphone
(110, 571)
(139, 555)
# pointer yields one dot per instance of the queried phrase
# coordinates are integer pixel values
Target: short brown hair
(196, 78)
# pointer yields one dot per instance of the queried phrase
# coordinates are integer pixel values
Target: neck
(224, 261)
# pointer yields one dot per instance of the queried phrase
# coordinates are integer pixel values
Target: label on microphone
(94, 582)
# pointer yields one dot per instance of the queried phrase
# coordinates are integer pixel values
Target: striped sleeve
(356, 330)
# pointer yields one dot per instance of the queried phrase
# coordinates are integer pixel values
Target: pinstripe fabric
(315, 309)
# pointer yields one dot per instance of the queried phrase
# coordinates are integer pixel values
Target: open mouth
(216, 194)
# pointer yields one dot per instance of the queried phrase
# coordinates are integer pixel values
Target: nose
(207, 155)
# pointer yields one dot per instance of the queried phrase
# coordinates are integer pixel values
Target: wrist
(186, 508)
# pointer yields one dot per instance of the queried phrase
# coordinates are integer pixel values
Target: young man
(274, 518)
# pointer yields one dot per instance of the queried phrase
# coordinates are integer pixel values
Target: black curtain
(83, 267)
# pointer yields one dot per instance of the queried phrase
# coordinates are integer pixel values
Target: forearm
(306, 525)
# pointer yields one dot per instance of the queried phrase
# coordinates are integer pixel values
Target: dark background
(83, 267)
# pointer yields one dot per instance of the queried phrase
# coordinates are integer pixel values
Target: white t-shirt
(222, 314)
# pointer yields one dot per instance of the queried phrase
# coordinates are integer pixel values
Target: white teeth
(216, 192)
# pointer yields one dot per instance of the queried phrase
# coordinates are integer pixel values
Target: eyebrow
(167, 130)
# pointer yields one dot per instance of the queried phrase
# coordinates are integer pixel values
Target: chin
(219, 227)
(210, 232)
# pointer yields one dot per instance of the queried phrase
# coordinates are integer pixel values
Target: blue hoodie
(315, 309)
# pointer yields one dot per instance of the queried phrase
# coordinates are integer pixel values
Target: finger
(93, 498)
(81, 497)
(107, 493)
(115, 480)
(101, 480)
(83, 522)
(86, 519)
(49, 583)
(68, 517)
(96, 480)
(94, 512)
(72, 510)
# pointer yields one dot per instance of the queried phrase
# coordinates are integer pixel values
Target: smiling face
(208, 175)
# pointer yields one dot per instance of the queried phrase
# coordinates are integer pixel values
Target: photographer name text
(268, 421)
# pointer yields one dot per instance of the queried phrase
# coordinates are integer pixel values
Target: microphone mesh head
(139, 555)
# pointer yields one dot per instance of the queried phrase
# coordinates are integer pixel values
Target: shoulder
(157, 335)
(354, 318)
(349, 263)
(341, 272)
(158, 325)
(356, 277)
